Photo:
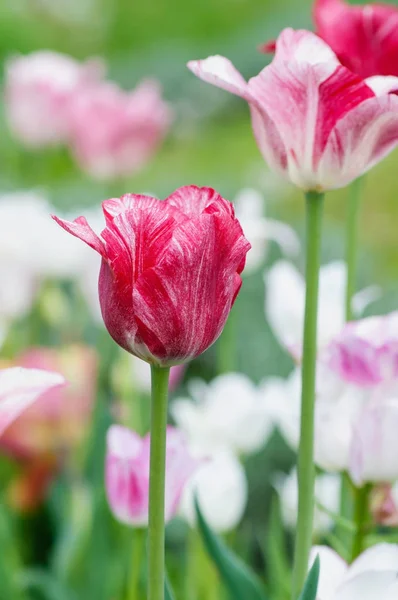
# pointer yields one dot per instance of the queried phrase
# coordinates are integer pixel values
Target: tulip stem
(352, 243)
(361, 509)
(156, 568)
(305, 465)
(133, 592)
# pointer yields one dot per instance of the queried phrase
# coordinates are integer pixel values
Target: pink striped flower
(115, 133)
(170, 271)
(366, 352)
(365, 38)
(38, 91)
(20, 388)
(315, 122)
(127, 473)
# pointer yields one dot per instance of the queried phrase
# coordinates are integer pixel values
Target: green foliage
(237, 577)
(311, 584)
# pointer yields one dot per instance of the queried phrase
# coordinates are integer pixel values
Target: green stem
(156, 569)
(346, 508)
(133, 590)
(352, 244)
(361, 508)
(305, 465)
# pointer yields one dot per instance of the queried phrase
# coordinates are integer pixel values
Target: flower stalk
(305, 467)
(352, 244)
(156, 568)
(361, 509)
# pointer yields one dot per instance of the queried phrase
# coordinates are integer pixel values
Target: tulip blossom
(127, 473)
(315, 122)
(115, 133)
(372, 576)
(366, 352)
(59, 419)
(170, 271)
(20, 388)
(38, 90)
(364, 38)
(260, 230)
(327, 494)
(384, 504)
(285, 296)
(229, 413)
(220, 485)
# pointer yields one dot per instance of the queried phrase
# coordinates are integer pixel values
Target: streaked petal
(220, 72)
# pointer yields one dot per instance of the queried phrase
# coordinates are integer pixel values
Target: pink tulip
(365, 38)
(20, 388)
(38, 91)
(366, 351)
(315, 122)
(170, 271)
(59, 418)
(127, 473)
(115, 133)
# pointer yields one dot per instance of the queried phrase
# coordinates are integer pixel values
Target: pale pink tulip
(38, 91)
(59, 419)
(127, 473)
(115, 133)
(366, 352)
(20, 388)
(315, 122)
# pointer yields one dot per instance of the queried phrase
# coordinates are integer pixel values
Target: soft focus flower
(220, 485)
(384, 504)
(59, 419)
(285, 298)
(364, 38)
(20, 388)
(115, 133)
(38, 91)
(127, 473)
(229, 413)
(315, 122)
(170, 271)
(355, 427)
(327, 494)
(366, 352)
(260, 231)
(372, 576)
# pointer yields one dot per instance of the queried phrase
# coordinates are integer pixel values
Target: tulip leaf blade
(237, 577)
(311, 583)
(168, 591)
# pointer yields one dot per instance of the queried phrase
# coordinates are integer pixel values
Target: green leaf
(168, 592)
(39, 579)
(278, 570)
(311, 584)
(240, 581)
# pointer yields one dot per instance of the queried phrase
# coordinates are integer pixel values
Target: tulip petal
(381, 557)
(19, 388)
(374, 446)
(365, 38)
(332, 571)
(306, 73)
(192, 200)
(372, 585)
(114, 206)
(161, 297)
(82, 230)
(360, 140)
(220, 72)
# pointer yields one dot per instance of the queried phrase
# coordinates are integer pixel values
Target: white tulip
(372, 576)
(327, 494)
(228, 413)
(285, 297)
(220, 486)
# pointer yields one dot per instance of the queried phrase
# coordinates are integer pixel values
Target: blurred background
(56, 530)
